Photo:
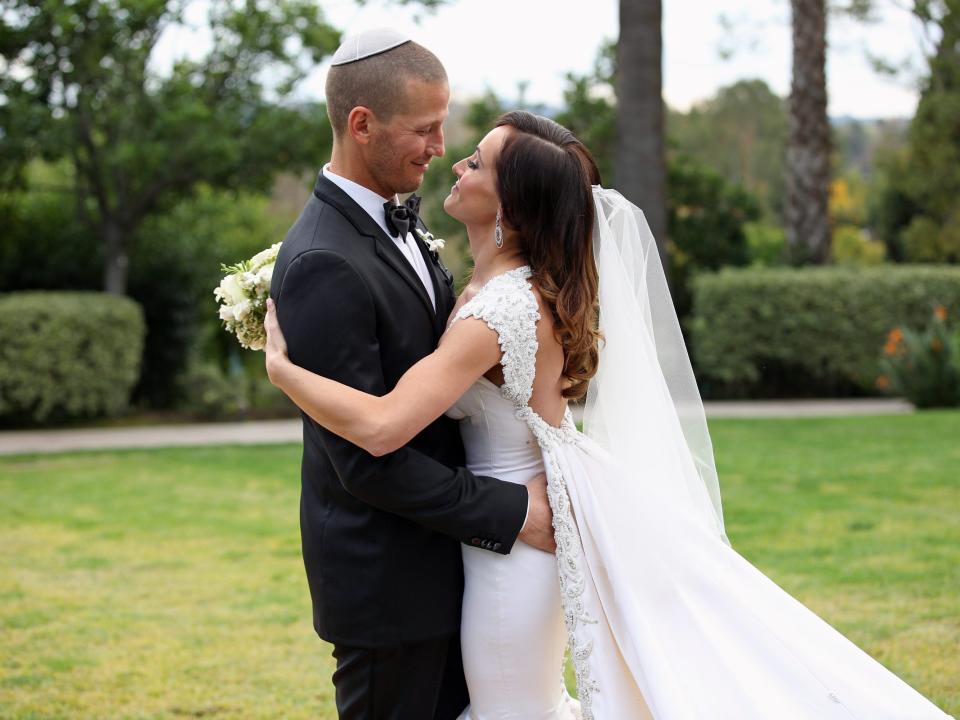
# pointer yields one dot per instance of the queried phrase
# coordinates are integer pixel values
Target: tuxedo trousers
(416, 681)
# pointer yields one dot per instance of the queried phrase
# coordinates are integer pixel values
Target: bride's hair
(544, 178)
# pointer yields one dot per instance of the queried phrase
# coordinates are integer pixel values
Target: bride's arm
(382, 424)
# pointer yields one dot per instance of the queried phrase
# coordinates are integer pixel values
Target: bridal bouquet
(243, 296)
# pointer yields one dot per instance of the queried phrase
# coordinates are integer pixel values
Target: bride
(663, 618)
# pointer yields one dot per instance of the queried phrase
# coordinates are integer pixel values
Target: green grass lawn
(169, 584)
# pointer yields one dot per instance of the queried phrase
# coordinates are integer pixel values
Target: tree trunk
(808, 150)
(640, 167)
(115, 258)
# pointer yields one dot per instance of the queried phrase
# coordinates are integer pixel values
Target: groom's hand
(537, 531)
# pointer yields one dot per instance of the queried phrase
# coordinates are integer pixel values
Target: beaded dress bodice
(509, 307)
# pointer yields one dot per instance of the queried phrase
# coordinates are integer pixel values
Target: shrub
(766, 243)
(809, 330)
(705, 225)
(926, 241)
(706, 216)
(923, 365)
(43, 247)
(852, 246)
(174, 272)
(208, 393)
(67, 354)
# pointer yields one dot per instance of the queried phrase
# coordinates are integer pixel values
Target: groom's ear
(359, 123)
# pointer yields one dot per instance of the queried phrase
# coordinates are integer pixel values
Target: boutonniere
(434, 244)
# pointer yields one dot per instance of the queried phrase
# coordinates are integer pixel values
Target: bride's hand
(276, 347)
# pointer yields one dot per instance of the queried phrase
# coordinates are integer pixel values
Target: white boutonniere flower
(434, 244)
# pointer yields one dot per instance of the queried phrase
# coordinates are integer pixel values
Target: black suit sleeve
(328, 319)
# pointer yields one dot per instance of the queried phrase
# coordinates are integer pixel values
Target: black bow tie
(402, 219)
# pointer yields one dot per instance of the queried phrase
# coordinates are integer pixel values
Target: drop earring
(498, 232)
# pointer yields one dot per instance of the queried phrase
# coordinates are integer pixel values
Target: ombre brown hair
(544, 178)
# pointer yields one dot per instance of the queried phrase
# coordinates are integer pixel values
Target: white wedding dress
(668, 623)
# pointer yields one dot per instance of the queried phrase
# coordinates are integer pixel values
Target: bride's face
(473, 198)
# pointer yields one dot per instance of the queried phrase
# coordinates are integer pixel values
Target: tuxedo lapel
(439, 276)
(386, 249)
(391, 254)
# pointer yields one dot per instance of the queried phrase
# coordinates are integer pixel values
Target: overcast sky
(499, 43)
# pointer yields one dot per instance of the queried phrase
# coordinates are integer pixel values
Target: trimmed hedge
(823, 327)
(67, 354)
(174, 266)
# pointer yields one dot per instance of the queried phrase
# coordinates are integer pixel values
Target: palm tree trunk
(808, 150)
(640, 166)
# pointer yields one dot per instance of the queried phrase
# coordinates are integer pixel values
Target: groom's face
(401, 148)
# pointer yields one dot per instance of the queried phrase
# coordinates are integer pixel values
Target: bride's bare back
(548, 383)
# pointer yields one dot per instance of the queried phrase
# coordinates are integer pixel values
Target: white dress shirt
(373, 204)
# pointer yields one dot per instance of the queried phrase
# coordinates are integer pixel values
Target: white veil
(643, 405)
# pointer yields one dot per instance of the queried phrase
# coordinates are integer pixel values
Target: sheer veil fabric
(643, 405)
(679, 625)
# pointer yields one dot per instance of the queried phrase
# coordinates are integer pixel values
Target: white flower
(241, 310)
(247, 281)
(433, 243)
(230, 290)
(265, 256)
(226, 312)
(263, 277)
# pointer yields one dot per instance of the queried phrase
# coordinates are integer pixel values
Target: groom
(360, 300)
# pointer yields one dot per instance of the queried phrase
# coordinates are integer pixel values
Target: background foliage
(210, 161)
(138, 142)
(811, 331)
(66, 355)
(174, 267)
(923, 365)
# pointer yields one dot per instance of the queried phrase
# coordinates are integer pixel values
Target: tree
(78, 84)
(914, 208)
(589, 113)
(741, 133)
(640, 166)
(808, 148)
(706, 215)
(932, 177)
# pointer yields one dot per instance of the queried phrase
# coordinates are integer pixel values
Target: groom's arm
(327, 315)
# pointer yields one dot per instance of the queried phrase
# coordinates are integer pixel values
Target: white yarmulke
(366, 44)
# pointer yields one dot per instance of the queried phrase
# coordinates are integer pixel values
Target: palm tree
(640, 167)
(808, 149)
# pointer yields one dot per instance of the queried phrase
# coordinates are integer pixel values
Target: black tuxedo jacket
(381, 536)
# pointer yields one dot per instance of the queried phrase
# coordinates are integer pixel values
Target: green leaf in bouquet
(236, 268)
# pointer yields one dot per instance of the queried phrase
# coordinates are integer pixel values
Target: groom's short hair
(379, 82)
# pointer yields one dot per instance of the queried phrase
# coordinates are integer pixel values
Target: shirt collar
(366, 198)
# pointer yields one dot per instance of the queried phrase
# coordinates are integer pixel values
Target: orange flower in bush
(894, 338)
(922, 364)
